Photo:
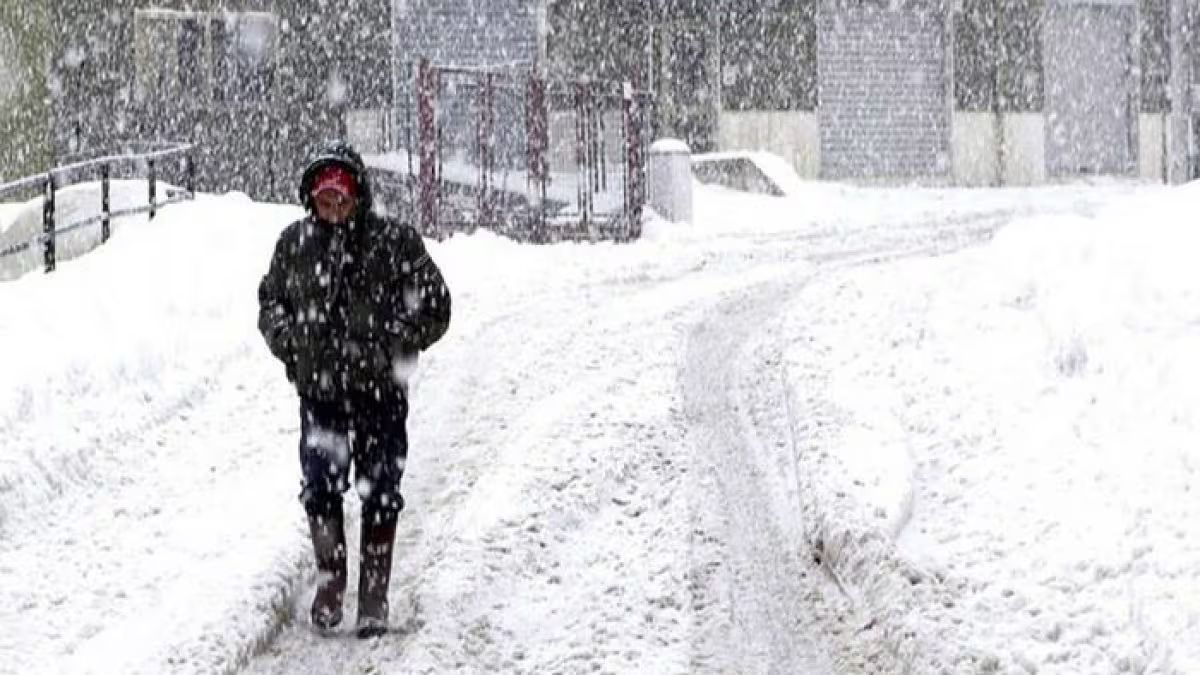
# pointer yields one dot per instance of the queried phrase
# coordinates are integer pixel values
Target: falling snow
(913, 392)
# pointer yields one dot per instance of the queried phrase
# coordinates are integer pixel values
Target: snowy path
(749, 523)
(587, 491)
(619, 482)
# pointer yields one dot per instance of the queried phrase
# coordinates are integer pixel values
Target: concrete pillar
(670, 184)
(1178, 90)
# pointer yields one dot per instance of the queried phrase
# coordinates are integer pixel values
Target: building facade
(971, 92)
(258, 84)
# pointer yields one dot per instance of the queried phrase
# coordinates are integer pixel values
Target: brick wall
(883, 93)
(467, 32)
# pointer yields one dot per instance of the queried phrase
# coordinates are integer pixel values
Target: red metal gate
(530, 158)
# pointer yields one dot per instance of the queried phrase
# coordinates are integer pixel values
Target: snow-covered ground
(1042, 394)
(847, 431)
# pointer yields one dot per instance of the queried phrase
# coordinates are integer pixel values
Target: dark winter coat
(340, 303)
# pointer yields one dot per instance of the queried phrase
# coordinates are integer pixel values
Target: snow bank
(1044, 389)
(155, 331)
(104, 364)
(8, 215)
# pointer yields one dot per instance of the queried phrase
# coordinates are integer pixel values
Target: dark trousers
(369, 434)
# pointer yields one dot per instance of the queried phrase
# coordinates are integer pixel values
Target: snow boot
(329, 545)
(375, 572)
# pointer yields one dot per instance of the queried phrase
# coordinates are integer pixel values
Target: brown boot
(374, 574)
(329, 545)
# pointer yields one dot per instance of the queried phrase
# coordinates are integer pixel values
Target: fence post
(428, 142)
(408, 148)
(486, 159)
(189, 169)
(152, 180)
(602, 142)
(538, 144)
(635, 179)
(594, 126)
(105, 210)
(48, 232)
(582, 175)
(408, 130)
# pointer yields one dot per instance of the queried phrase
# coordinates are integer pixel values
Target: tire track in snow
(581, 500)
(894, 596)
(485, 397)
(757, 541)
(751, 577)
(529, 448)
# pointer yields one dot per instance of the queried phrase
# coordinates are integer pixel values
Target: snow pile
(8, 215)
(1041, 392)
(129, 519)
(155, 325)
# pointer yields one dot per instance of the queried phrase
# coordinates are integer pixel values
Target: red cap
(336, 178)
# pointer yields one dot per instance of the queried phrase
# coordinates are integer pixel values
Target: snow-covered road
(575, 521)
(681, 455)
(635, 517)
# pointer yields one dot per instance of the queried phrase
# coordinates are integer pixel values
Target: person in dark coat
(349, 301)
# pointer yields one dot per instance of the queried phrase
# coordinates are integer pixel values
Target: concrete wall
(366, 130)
(979, 159)
(253, 139)
(1024, 149)
(794, 135)
(973, 149)
(1150, 146)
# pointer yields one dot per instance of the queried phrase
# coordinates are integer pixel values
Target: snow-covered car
(747, 171)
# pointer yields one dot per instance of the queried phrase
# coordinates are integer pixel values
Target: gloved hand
(402, 335)
(275, 323)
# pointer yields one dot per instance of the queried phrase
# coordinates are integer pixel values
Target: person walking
(349, 301)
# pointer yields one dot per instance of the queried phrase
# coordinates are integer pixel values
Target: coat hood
(342, 154)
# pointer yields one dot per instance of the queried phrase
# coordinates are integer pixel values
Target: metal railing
(531, 158)
(50, 182)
